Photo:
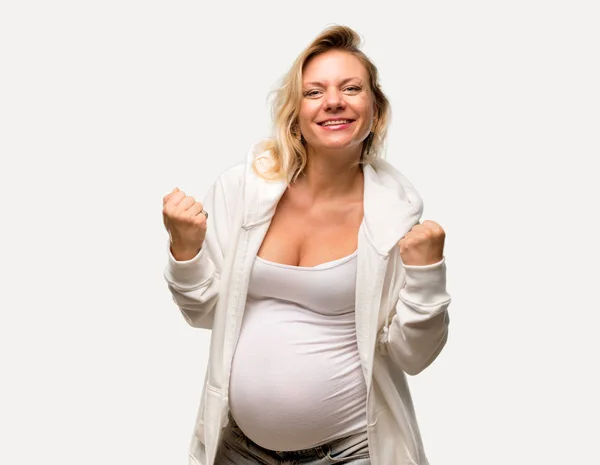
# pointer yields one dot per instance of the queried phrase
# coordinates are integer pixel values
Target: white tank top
(296, 379)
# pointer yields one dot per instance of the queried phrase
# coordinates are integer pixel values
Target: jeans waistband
(317, 452)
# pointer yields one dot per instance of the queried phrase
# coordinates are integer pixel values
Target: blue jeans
(237, 449)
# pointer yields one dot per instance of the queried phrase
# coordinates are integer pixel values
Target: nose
(334, 100)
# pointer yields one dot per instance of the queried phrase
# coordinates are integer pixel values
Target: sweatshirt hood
(391, 204)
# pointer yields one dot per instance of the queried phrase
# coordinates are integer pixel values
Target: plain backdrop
(106, 106)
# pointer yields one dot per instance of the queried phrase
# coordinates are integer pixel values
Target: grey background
(106, 106)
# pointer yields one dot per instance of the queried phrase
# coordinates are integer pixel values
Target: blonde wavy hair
(286, 146)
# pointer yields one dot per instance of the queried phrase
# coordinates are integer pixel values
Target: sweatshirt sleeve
(419, 324)
(194, 284)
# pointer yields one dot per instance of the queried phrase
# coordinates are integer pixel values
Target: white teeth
(339, 121)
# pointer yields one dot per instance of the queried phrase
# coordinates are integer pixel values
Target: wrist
(184, 254)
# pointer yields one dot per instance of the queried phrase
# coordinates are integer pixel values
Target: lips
(335, 122)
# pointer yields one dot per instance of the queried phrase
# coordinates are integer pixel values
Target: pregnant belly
(295, 385)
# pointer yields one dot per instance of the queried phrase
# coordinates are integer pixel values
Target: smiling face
(337, 107)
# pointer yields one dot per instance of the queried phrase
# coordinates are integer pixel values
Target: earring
(297, 134)
(368, 143)
(296, 131)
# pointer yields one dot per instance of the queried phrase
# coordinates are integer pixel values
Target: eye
(353, 88)
(311, 93)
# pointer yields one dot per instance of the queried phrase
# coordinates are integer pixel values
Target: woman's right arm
(194, 283)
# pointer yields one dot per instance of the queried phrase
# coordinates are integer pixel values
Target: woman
(321, 287)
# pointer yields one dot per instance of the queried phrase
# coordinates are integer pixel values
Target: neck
(332, 174)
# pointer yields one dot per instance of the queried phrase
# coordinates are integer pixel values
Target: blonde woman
(321, 286)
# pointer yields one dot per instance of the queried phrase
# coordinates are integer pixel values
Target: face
(337, 106)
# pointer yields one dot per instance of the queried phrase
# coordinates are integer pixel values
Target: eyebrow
(344, 81)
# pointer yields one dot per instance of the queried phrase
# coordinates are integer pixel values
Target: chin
(332, 144)
(337, 145)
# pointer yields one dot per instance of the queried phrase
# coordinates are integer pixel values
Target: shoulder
(228, 185)
(383, 172)
(232, 177)
(232, 180)
(258, 153)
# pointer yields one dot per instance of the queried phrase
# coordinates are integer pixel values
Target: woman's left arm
(419, 326)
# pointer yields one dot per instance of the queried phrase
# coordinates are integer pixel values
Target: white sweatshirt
(401, 312)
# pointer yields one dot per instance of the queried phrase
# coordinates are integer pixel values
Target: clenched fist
(185, 220)
(423, 244)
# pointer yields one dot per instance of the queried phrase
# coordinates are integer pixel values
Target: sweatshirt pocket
(390, 440)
